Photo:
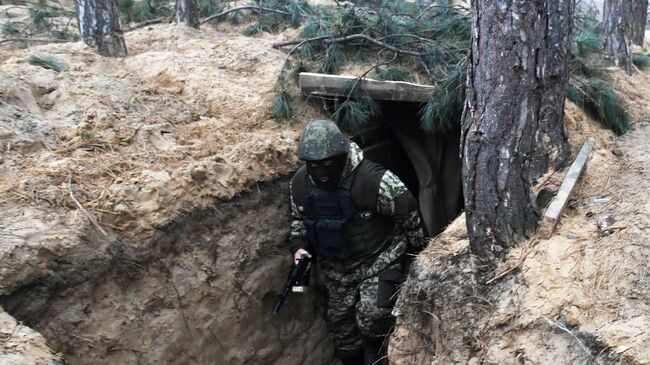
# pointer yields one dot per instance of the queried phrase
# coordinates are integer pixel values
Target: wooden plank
(558, 204)
(333, 85)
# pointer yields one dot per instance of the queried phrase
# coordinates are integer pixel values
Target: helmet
(322, 139)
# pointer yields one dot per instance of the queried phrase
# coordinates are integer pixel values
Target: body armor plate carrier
(343, 223)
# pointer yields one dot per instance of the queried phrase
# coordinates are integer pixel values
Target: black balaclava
(327, 173)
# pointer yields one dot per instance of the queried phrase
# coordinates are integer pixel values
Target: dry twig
(83, 210)
(512, 268)
(147, 23)
(248, 7)
(36, 40)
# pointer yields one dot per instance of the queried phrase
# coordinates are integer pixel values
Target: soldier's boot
(373, 352)
(352, 357)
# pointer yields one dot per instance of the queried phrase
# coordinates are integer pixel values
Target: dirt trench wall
(444, 316)
(580, 297)
(199, 291)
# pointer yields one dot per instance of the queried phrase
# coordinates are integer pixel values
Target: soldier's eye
(327, 163)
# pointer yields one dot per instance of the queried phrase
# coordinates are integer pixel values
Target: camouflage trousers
(352, 312)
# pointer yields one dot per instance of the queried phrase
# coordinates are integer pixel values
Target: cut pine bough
(554, 210)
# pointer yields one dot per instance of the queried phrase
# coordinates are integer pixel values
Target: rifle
(295, 275)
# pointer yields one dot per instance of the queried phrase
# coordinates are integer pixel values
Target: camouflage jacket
(406, 236)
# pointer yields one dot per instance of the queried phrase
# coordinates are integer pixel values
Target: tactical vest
(343, 223)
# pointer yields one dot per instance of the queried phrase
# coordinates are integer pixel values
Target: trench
(200, 291)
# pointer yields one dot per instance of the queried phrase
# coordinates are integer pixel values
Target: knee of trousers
(372, 320)
(342, 327)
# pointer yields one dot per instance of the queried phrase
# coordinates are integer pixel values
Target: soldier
(360, 222)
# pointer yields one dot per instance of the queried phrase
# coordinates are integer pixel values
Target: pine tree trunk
(640, 20)
(618, 32)
(100, 28)
(551, 146)
(187, 11)
(510, 74)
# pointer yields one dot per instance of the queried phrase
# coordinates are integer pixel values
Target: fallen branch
(147, 23)
(83, 210)
(345, 39)
(375, 41)
(36, 40)
(298, 41)
(248, 7)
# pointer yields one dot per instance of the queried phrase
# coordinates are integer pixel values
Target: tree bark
(551, 146)
(187, 11)
(640, 20)
(100, 28)
(510, 74)
(618, 32)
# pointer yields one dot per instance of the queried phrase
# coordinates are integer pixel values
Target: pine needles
(445, 106)
(47, 61)
(253, 29)
(355, 114)
(281, 108)
(334, 56)
(404, 42)
(392, 74)
(642, 61)
(430, 44)
(589, 85)
(208, 7)
(599, 99)
(9, 28)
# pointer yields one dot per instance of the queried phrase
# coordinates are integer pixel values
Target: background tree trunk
(551, 145)
(187, 11)
(505, 105)
(100, 28)
(640, 20)
(618, 32)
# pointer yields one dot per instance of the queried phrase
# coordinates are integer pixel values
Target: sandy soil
(179, 123)
(580, 297)
(103, 162)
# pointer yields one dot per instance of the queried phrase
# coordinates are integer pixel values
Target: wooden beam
(333, 85)
(558, 204)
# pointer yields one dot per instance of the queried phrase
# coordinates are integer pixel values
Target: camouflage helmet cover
(322, 139)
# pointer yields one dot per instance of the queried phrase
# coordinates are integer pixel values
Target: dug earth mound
(143, 209)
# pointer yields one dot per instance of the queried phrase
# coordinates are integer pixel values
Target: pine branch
(405, 35)
(248, 7)
(348, 38)
(434, 6)
(299, 41)
(377, 64)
